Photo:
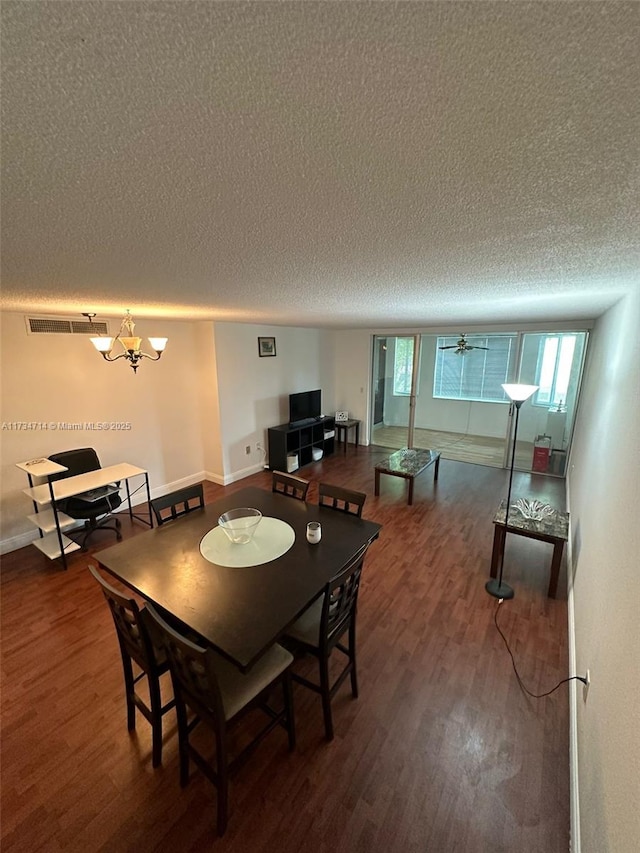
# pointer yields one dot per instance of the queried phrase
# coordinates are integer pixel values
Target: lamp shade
(102, 344)
(519, 393)
(158, 344)
(131, 344)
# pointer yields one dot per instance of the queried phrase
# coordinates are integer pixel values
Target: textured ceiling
(326, 164)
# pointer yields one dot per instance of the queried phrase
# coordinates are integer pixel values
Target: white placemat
(272, 539)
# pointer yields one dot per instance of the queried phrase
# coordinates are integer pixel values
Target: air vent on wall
(62, 326)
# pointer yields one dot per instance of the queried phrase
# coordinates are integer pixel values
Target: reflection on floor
(482, 450)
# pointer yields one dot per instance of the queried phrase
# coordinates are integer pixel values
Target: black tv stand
(301, 439)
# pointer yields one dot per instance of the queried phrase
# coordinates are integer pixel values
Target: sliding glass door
(395, 386)
(428, 392)
(428, 395)
(553, 361)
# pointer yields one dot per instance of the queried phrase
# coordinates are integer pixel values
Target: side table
(554, 529)
(342, 431)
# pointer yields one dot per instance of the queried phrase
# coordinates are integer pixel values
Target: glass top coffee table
(408, 464)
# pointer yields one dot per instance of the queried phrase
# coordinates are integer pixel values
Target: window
(476, 375)
(553, 371)
(403, 366)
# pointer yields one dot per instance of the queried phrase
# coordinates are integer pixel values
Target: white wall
(52, 379)
(210, 430)
(604, 501)
(192, 413)
(352, 358)
(254, 392)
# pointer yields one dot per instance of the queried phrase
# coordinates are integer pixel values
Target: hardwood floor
(442, 751)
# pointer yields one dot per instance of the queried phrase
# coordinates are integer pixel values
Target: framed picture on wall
(266, 347)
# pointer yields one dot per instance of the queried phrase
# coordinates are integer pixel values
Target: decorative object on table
(517, 394)
(534, 510)
(266, 347)
(342, 416)
(462, 346)
(314, 532)
(130, 343)
(240, 524)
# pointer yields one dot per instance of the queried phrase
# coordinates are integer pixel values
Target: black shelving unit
(301, 440)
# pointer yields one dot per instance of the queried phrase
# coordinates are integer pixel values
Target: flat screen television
(304, 406)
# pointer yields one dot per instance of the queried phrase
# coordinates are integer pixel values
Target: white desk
(52, 522)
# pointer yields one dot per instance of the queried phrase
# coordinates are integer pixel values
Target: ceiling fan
(462, 345)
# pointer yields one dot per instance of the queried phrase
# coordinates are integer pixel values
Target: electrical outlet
(585, 689)
(258, 447)
(247, 449)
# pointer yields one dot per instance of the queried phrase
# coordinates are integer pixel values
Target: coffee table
(407, 464)
(553, 529)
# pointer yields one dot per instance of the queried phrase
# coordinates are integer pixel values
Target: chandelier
(130, 343)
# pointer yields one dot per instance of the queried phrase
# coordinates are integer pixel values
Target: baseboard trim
(574, 786)
(14, 543)
(227, 479)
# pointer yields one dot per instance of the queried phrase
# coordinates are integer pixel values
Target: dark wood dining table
(241, 612)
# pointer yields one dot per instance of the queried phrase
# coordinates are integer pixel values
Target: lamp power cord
(522, 685)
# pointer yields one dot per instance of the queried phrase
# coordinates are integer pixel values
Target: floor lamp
(517, 394)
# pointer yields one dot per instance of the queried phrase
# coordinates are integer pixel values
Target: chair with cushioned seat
(96, 514)
(136, 646)
(321, 627)
(218, 694)
(287, 484)
(178, 503)
(342, 500)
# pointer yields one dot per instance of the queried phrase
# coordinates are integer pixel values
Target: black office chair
(137, 647)
(287, 484)
(219, 694)
(321, 627)
(343, 500)
(179, 503)
(96, 514)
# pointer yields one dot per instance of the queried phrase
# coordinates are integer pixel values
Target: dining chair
(287, 484)
(218, 694)
(321, 627)
(178, 503)
(343, 500)
(136, 646)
